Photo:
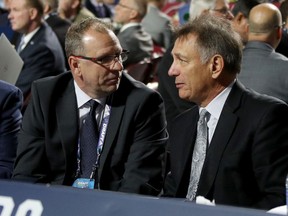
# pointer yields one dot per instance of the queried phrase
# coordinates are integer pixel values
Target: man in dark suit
(132, 35)
(10, 121)
(98, 8)
(174, 105)
(263, 69)
(131, 148)
(244, 160)
(39, 47)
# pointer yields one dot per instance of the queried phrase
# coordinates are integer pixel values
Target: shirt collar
(215, 107)
(83, 98)
(125, 26)
(28, 36)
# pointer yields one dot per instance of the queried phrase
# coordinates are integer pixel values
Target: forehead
(94, 41)
(125, 2)
(219, 4)
(17, 3)
(185, 45)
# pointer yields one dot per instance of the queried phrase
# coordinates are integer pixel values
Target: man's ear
(216, 66)
(133, 14)
(239, 18)
(33, 13)
(74, 65)
(279, 33)
(75, 4)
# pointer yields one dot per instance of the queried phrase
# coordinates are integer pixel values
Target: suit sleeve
(10, 118)
(270, 158)
(31, 162)
(144, 167)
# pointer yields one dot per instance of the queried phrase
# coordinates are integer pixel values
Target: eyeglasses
(124, 6)
(107, 60)
(224, 11)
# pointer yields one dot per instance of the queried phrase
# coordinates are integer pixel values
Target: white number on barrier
(35, 207)
(8, 205)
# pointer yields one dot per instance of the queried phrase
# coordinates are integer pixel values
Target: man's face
(122, 11)
(192, 77)
(95, 79)
(19, 16)
(240, 25)
(64, 7)
(222, 9)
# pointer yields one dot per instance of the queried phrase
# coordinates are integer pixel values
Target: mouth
(113, 81)
(179, 85)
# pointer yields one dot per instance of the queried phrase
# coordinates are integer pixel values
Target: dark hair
(244, 6)
(214, 35)
(73, 40)
(284, 10)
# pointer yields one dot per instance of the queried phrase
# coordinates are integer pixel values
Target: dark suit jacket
(43, 56)
(10, 120)
(60, 27)
(247, 160)
(283, 45)
(91, 7)
(138, 42)
(133, 148)
(264, 70)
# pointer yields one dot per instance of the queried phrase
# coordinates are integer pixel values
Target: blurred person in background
(132, 36)
(39, 46)
(11, 100)
(73, 10)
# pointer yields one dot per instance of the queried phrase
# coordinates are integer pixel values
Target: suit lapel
(184, 147)
(223, 132)
(117, 103)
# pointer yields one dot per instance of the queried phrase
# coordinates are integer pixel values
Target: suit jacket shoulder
(10, 120)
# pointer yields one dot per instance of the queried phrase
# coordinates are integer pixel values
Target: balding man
(263, 69)
(132, 35)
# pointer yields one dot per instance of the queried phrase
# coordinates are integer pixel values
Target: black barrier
(23, 199)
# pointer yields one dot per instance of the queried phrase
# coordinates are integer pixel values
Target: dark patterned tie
(89, 140)
(100, 11)
(199, 154)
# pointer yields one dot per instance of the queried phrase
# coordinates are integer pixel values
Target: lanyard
(102, 134)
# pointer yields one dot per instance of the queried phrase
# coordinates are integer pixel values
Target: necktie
(100, 11)
(89, 140)
(199, 154)
(21, 44)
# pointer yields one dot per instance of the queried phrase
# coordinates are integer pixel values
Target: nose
(117, 65)
(173, 70)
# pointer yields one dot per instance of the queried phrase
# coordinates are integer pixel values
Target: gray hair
(74, 36)
(214, 36)
(198, 6)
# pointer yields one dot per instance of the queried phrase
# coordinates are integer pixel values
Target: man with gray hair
(232, 146)
(173, 104)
